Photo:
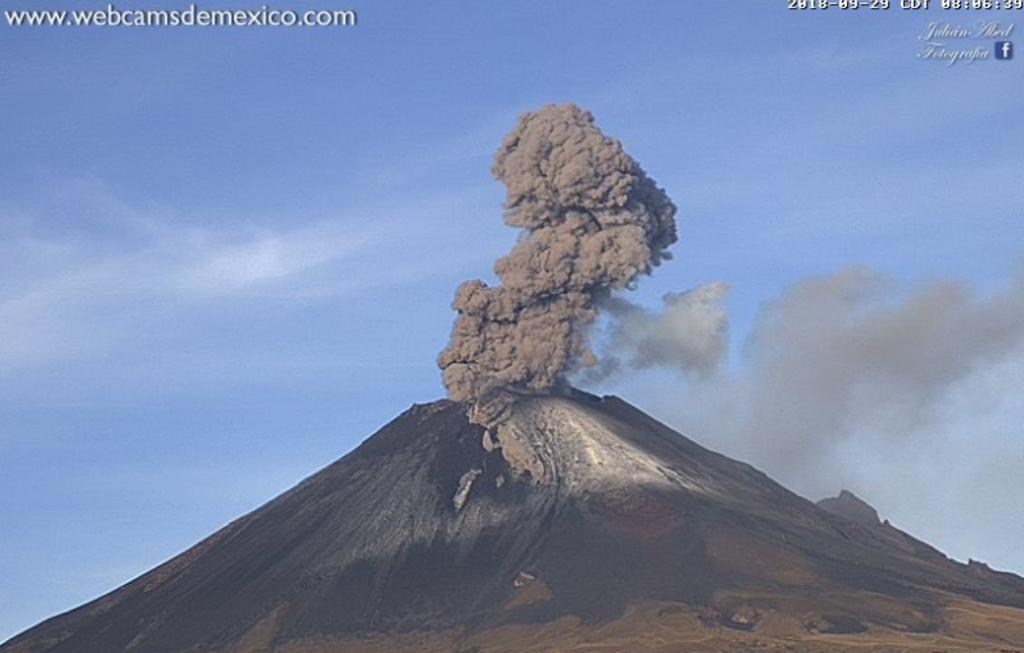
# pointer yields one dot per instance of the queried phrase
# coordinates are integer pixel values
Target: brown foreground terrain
(570, 523)
(677, 628)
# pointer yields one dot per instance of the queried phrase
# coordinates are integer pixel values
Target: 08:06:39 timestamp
(983, 4)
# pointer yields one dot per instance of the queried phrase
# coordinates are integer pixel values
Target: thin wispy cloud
(233, 267)
(134, 275)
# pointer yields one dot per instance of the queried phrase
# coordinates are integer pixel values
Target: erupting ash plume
(593, 221)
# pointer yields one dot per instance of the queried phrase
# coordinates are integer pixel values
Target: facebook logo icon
(1004, 50)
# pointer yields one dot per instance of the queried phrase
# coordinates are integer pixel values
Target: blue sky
(227, 256)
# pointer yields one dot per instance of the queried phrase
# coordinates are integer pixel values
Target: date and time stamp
(906, 5)
(950, 39)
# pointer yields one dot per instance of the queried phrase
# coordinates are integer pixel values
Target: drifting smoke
(844, 356)
(911, 399)
(593, 223)
(844, 362)
(689, 335)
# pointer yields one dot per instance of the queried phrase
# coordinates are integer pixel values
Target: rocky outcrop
(850, 506)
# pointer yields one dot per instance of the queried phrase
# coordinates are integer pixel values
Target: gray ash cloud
(593, 223)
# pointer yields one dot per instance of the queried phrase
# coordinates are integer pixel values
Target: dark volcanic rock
(852, 507)
(567, 506)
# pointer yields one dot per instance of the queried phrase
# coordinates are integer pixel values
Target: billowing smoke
(834, 360)
(909, 398)
(689, 335)
(839, 358)
(593, 223)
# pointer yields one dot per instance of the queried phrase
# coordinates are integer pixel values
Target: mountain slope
(568, 516)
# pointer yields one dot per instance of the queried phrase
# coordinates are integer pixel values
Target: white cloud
(84, 289)
(269, 257)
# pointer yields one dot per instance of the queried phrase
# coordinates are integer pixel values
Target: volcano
(568, 523)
